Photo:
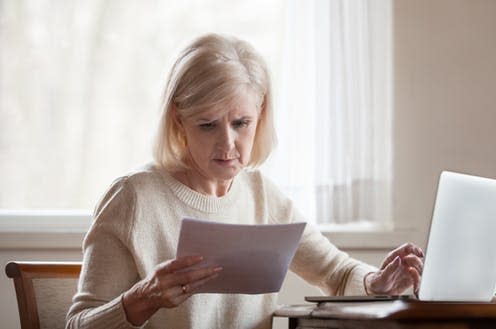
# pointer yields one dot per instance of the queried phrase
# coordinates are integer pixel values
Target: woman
(216, 127)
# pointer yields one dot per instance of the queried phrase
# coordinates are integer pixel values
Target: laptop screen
(460, 261)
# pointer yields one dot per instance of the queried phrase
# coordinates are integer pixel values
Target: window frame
(65, 229)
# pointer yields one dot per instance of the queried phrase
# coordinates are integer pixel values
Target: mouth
(225, 162)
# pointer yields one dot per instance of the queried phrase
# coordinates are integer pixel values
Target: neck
(202, 184)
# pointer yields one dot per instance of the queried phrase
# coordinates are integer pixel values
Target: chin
(227, 173)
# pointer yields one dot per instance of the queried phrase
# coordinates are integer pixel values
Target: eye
(207, 125)
(241, 123)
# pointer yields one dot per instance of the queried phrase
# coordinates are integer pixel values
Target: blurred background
(373, 99)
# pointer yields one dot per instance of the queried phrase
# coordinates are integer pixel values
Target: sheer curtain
(333, 111)
(80, 86)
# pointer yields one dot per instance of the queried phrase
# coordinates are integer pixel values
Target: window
(334, 111)
(80, 88)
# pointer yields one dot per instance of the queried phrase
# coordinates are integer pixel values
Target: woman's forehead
(230, 110)
(241, 104)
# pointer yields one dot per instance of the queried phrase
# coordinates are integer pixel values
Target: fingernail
(218, 269)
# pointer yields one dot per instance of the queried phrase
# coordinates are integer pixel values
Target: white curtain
(81, 84)
(333, 111)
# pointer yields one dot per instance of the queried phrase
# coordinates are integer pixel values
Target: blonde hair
(208, 73)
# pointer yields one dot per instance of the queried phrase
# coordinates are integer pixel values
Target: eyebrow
(244, 118)
(206, 120)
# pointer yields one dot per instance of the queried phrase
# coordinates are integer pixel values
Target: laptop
(460, 259)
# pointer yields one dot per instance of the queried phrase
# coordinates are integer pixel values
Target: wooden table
(397, 314)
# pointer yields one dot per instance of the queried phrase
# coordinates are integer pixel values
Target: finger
(195, 285)
(179, 299)
(170, 297)
(419, 252)
(181, 278)
(398, 252)
(178, 290)
(389, 259)
(392, 267)
(178, 264)
(402, 251)
(415, 250)
(175, 297)
(184, 292)
(415, 262)
(410, 248)
(416, 277)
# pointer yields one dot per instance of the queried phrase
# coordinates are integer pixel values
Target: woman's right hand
(169, 285)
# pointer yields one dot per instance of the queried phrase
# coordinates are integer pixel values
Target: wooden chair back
(44, 291)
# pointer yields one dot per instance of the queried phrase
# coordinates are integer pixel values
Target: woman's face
(220, 141)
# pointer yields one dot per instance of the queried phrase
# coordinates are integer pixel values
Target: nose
(225, 142)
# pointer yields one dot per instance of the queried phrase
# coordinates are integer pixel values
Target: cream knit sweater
(136, 227)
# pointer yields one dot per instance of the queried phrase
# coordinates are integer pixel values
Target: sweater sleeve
(108, 267)
(317, 260)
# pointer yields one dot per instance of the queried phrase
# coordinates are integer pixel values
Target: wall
(445, 112)
(445, 99)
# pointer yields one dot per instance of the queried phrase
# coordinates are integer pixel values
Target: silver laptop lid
(460, 262)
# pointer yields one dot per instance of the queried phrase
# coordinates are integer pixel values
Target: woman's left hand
(401, 269)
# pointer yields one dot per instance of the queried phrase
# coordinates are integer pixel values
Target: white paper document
(254, 258)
